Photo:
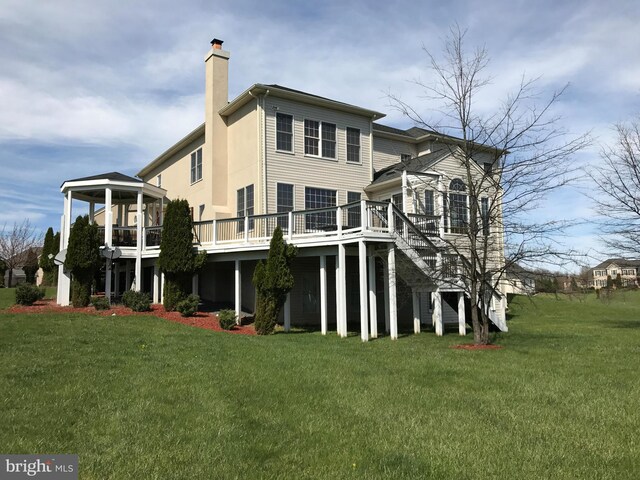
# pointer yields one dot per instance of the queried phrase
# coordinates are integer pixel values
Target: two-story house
(366, 204)
(629, 271)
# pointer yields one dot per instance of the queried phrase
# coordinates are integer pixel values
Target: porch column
(195, 284)
(416, 311)
(338, 300)
(342, 253)
(64, 277)
(92, 212)
(287, 313)
(161, 287)
(364, 311)
(139, 228)
(323, 294)
(238, 286)
(437, 313)
(385, 284)
(462, 327)
(108, 241)
(393, 307)
(373, 304)
(156, 283)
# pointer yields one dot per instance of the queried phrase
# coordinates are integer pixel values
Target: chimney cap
(217, 41)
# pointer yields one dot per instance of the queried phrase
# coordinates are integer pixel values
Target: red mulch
(208, 321)
(471, 346)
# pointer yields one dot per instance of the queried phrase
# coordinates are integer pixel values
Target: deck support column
(385, 284)
(416, 311)
(323, 294)
(287, 313)
(238, 286)
(64, 277)
(462, 327)
(341, 287)
(195, 284)
(373, 304)
(161, 287)
(393, 306)
(139, 229)
(364, 311)
(156, 283)
(437, 313)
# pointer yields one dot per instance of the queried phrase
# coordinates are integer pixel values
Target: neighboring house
(519, 281)
(611, 268)
(365, 203)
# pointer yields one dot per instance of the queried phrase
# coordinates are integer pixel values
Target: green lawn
(138, 397)
(8, 296)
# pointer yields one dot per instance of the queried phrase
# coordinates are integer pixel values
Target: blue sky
(87, 87)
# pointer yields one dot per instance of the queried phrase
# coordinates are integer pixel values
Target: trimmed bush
(227, 319)
(189, 306)
(173, 294)
(28, 294)
(100, 303)
(136, 301)
(83, 259)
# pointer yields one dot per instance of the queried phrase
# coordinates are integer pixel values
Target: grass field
(8, 296)
(139, 397)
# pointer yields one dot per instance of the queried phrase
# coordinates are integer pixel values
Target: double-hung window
(244, 202)
(319, 139)
(320, 198)
(284, 202)
(196, 166)
(284, 132)
(353, 145)
(429, 203)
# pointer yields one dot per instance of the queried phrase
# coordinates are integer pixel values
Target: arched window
(458, 210)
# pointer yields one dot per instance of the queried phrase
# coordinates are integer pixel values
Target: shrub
(173, 294)
(136, 301)
(227, 319)
(100, 303)
(189, 306)
(28, 294)
(83, 259)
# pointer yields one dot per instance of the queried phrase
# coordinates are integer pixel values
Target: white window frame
(320, 139)
(293, 133)
(197, 156)
(346, 142)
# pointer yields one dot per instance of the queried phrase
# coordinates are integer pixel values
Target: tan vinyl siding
(244, 158)
(387, 152)
(301, 170)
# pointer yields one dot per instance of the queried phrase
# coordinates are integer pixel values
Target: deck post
(364, 311)
(64, 277)
(416, 311)
(462, 327)
(373, 304)
(246, 229)
(290, 223)
(238, 286)
(364, 224)
(139, 228)
(342, 254)
(385, 285)
(390, 218)
(108, 242)
(323, 294)
(287, 313)
(393, 307)
(195, 284)
(156, 283)
(215, 231)
(437, 313)
(161, 287)
(338, 308)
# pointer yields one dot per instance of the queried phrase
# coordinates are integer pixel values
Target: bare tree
(617, 197)
(15, 244)
(512, 158)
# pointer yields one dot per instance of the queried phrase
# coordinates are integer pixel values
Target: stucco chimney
(216, 97)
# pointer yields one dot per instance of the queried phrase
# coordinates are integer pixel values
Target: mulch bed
(471, 346)
(208, 321)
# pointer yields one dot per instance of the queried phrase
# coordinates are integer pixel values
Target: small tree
(83, 259)
(50, 247)
(609, 282)
(178, 258)
(30, 267)
(15, 242)
(273, 280)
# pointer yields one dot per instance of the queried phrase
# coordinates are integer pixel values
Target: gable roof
(621, 262)
(421, 163)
